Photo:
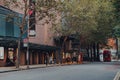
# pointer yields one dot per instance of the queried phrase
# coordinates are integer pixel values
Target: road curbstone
(34, 67)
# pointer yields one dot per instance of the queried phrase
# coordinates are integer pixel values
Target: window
(1, 52)
(10, 27)
(2, 25)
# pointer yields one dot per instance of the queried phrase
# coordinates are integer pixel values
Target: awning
(43, 47)
(13, 42)
(8, 41)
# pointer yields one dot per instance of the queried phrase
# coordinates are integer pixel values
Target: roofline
(6, 8)
(10, 10)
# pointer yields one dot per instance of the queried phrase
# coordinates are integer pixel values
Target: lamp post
(27, 53)
(26, 44)
(27, 56)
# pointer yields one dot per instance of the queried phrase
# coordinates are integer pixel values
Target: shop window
(10, 53)
(1, 52)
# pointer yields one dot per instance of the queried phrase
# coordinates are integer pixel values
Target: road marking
(117, 76)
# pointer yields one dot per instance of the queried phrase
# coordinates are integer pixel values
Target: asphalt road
(89, 71)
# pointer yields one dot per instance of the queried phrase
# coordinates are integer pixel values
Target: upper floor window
(10, 27)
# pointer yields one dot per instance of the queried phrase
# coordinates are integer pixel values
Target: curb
(20, 69)
(8, 71)
(117, 76)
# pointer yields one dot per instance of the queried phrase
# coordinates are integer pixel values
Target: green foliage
(92, 20)
(85, 15)
(77, 16)
(117, 11)
(105, 21)
(116, 31)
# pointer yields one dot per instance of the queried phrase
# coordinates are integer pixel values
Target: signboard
(1, 52)
(32, 20)
(25, 40)
(32, 33)
(25, 44)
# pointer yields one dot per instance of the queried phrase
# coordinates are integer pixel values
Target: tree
(117, 10)
(105, 19)
(76, 16)
(116, 29)
(91, 20)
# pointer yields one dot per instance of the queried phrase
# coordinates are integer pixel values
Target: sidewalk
(24, 67)
(10, 69)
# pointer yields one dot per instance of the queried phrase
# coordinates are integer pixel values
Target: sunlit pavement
(90, 71)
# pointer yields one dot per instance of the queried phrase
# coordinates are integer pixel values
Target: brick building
(39, 45)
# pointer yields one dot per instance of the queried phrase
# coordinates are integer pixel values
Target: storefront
(38, 54)
(9, 33)
(8, 48)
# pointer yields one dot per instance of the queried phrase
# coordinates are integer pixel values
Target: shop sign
(32, 33)
(25, 44)
(1, 52)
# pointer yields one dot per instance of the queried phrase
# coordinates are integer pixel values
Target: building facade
(40, 45)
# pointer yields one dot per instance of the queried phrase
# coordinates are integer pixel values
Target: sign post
(26, 44)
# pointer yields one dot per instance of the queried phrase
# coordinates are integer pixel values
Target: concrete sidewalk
(24, 67)
(10, 69)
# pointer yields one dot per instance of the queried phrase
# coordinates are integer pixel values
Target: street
(88, 71)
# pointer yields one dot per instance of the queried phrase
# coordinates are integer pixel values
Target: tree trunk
(62, 48)
(91, 52)
(94, 51)
(18, 53)
(98, 58)
(88, 51)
